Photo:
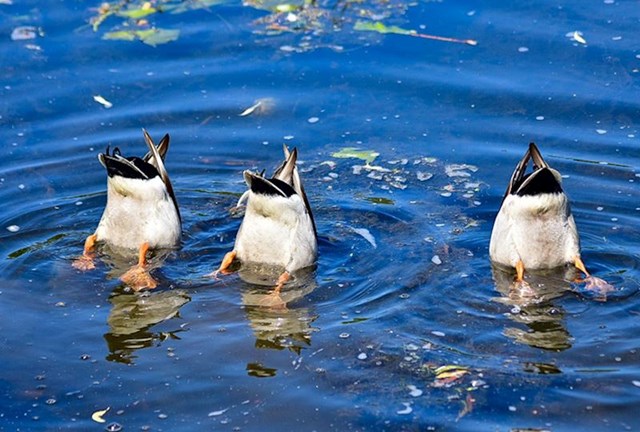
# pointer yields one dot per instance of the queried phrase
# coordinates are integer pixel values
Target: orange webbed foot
(138, 278)
(224, 265)
(599, 286)
(83, 263)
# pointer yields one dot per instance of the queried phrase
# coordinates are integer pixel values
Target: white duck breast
(139, 211)
(534, 225)
(141, 206)
(278, 227)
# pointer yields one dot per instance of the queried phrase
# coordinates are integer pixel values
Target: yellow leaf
(97, 416)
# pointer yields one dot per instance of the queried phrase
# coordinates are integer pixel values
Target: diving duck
(534, 228)
(141, 212)
(278, 227)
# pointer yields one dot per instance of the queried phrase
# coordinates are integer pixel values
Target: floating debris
(379, 27)
(407, 409)
(24, 33)
(460, 170)
(366, 235)
(13, 228)
(424, 176)
(449, 374)
(313, 120)
(362, 356)
(217, 413)
(260, 106)
(102, 101)
(97, 416)
(436, 260)
(576, 36)
(414, 391)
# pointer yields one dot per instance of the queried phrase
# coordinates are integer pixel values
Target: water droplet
(113, 427)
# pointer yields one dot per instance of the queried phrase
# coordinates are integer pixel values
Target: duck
(141, 213)
(278, 228)
(534, 228)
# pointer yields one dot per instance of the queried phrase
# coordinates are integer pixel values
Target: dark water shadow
(132, 317)
(534, 308)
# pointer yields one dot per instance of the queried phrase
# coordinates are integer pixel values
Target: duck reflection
(133, 315)
(533, 306)
(281, 325)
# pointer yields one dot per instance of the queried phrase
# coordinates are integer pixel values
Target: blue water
(403, 284)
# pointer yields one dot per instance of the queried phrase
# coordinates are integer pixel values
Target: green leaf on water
(156, 37)
(353, 152)
(151, 37)
(381, 28)
(127, 35)
(137, 13)
(380, 200)
(355, 321)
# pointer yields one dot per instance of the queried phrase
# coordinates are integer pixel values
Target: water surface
(403, 283)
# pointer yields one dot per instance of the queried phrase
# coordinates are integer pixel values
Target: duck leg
(228, 259)
(138, 277)
(520, 289)
(85, 261)
(273, 299)
(592, 283)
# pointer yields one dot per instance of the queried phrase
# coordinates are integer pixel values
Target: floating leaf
(156, 37)
(127, 35)
(353, 152)
(137, 13)
(151, 37)
(97, 416)
(381, 28)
